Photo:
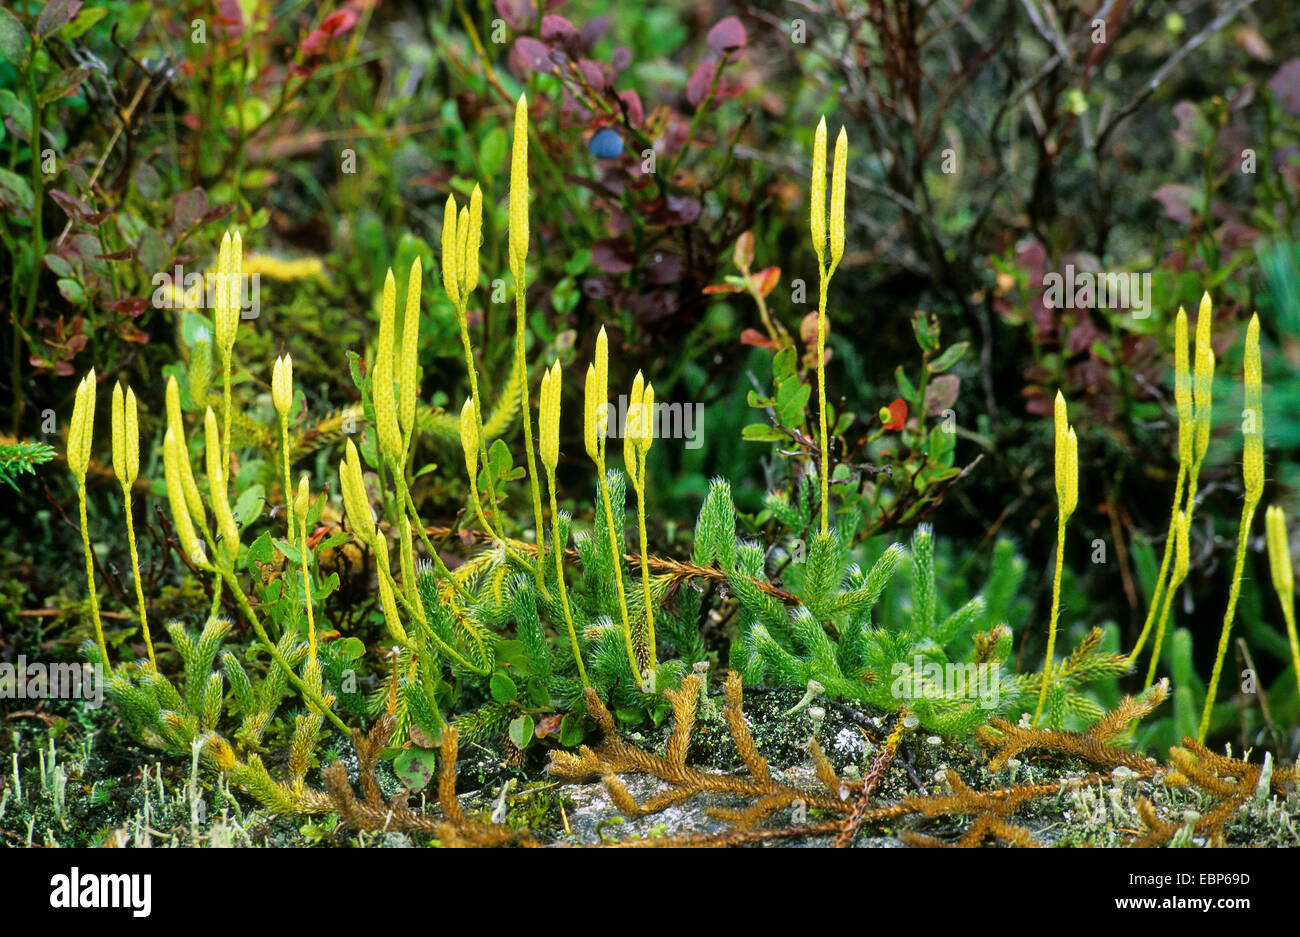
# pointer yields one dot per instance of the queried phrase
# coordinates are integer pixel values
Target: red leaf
(536, 55)
(756, 338)
(558, 29)
(339, 22)
(132, 306)
(697, 89)
(727, 35)
(894, 416)
(632, 102)
(766, 280)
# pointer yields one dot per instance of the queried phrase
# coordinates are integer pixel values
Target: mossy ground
(119, 793)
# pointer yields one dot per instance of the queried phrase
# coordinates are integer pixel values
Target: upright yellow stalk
(595, 427)
(80, 434)
(548, 427)
(1178, 574)
(643, 439)
(175, 462)
(230, 260)
(282, 397)
(1186, 445)
(1067, 498)
(1283, 574)
(218, 491)
(126, 465)
(408, 367)
(817, 223)
(386, 423)
(518, 267)
(456, 241)
(1252, 473)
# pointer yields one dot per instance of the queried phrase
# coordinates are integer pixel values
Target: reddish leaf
(766, 280)
(592, 74)
(535, 55)
(132, 306)
(756, 338)
(894, 416)
(663, 269)
(339, 22)
(632, 104)
(188, 208)
(742, 255)
(72, 206)
(611, 256)
(215, 214)
(697, 89)
(941, 393)
(726, 35)
(518, 14)
(559, 30)
(721, 288)
(548, 725)
(117, 255)
(1285, 86)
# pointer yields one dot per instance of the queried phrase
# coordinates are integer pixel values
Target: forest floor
(78, 781)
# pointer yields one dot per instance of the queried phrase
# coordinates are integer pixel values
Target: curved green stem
(307, 692)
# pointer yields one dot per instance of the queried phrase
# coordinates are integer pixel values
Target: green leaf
(61, 84)
(572, 731)
(492, 152)
(249, 506)
(521, 730)
(87, 18)
(55, 15)
(350, 648)
(791, 399)
(16, 193)
(761, 432)
(260, 552)
(502, 687)
(906, 389)
(784, 364)
(950, 356)
(13, 38)
(289, 552)
(415, 767)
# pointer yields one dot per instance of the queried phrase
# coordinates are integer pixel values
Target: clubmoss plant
(126, 465)
(638, 434)
(817, 224)
(80, 433)
(519, 268)
(1067, 498)
(1186, 444)
(1252, 473)
(1283, 575)
(595, 430)
(548, 426)
(282, 398)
